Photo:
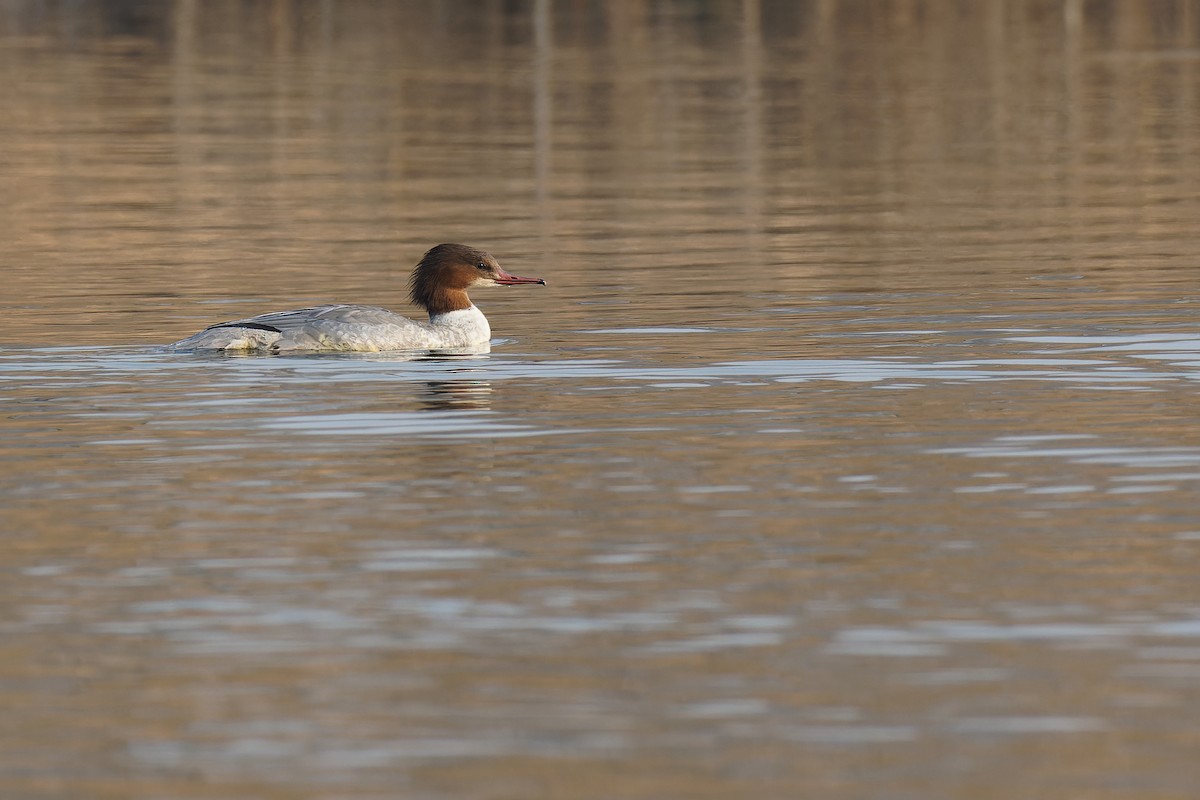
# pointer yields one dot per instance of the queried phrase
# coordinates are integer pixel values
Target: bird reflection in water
(457, 395)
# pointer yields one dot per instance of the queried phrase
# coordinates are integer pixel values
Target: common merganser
(439, 285)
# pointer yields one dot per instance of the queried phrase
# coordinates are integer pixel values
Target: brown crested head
(440, 280)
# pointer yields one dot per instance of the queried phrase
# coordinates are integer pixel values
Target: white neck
(461, 328)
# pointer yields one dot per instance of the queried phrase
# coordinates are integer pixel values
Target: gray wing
(335, 327)
(284, 321)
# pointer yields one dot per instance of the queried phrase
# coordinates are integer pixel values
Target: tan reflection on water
(850, 450)
(203, 153)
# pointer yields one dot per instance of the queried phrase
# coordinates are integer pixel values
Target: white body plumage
(345, 328)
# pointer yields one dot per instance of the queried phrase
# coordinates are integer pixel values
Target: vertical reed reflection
(218, 145)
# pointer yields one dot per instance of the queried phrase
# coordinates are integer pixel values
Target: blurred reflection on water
(851, 447)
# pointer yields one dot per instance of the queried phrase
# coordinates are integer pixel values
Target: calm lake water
(850, 451)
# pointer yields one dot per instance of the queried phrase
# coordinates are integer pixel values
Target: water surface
(849, 452)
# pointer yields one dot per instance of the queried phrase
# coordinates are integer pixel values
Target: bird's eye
(482, 265)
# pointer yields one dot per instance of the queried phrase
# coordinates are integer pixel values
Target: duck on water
(439, 285)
